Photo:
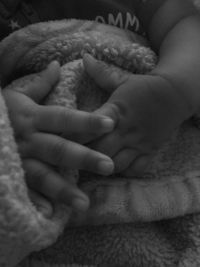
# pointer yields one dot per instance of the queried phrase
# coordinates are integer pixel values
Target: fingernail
(53, 64)
(108, 124)
(80, 204)
(106, 167)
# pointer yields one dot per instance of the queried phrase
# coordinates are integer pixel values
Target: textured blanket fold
(140, 221)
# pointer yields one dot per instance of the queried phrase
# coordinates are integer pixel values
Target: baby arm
(42, 133)
(148, 108)
(174, 34)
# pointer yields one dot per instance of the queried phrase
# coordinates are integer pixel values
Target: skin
(41, 133)
(170, 94)
(148, 108)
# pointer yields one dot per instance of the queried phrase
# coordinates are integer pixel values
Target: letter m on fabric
(131, 20)
(118, 21)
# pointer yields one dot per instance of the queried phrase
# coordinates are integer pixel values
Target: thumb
(106, 76)
(38, 85)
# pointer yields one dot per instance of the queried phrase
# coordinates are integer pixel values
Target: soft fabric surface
(142, 221)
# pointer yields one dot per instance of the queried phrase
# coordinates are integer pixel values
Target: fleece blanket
(152, 220)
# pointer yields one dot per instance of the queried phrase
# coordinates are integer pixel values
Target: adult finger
(38, 86)
(60, 152)
(59, 120)
(41, 178)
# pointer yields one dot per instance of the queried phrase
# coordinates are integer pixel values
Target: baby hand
(39, 132)
(146, 109)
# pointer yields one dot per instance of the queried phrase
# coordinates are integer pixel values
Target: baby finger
(123, 159)
(138, 166)
(66, 122)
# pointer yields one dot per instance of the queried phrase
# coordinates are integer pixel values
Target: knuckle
(66, 116)
(64, 119)
(58, 152)
(92, 123)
